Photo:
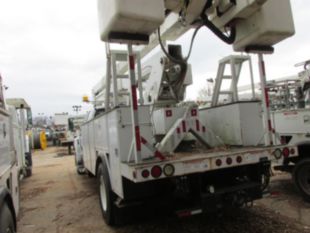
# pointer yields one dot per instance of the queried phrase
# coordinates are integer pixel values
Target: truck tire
(301, 178)
(28, 172)
(106, 196)
(28, 157)
(90, 175)
(6, 220)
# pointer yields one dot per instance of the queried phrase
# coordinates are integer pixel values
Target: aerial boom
(252, 25)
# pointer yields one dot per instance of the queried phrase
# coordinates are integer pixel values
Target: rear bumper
(198, 163)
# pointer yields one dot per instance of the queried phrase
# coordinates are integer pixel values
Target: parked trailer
(146, 144)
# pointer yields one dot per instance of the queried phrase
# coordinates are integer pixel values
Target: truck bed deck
(204, 154)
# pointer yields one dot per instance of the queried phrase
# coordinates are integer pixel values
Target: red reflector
(194, 112)
(168, 113)
(184, 126)
(239, 159)
(145, 173)
(197, 125)
(218, 162)
(156, 171)
(178, 130)
(292, 151)
(286, 152)
(229, 161)
(184, 214)
(275, 193)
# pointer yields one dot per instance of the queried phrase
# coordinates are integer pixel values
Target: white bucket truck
(289, 100)
(142, 141)
(9, 169)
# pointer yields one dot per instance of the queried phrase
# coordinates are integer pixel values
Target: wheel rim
(304, 178)
(103, 194)
(80, 170)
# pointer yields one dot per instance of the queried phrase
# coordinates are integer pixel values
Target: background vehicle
(66, 128)
(150, 146)
(288, 99)
(20, 110)
(60, 128)
(291, 122)
(9, 170)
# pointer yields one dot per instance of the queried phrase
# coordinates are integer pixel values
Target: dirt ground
(57, 200)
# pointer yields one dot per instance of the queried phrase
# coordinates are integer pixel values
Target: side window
(1, 94)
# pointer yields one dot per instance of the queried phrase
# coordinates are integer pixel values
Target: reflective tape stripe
(178, 130)
(152, 149)
(270, 126)
(134, 104)
(184, 126)
(267, 97)
(159, 155)
(143, 140)
(134, 97)
(197, 125)
(132, 62)
(138, 138)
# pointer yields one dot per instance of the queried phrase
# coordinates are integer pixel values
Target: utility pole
(77, 108)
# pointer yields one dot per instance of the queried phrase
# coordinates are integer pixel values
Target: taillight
(229, 161)
(239, 159)
(218, 162)
(145, 173)
(156, 171)
(286, 152)
(169, 170)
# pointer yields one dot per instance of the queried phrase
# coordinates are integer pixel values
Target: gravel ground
(286, 200)
(56, 199)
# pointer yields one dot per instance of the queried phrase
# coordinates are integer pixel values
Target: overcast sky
(51, 55)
